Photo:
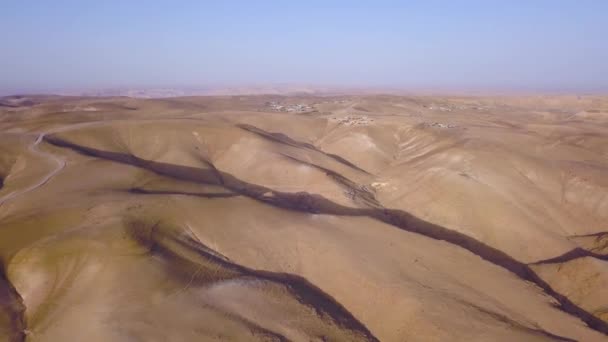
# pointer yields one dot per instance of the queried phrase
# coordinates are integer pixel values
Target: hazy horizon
(554, 46)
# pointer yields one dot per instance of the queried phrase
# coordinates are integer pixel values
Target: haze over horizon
(472, 45)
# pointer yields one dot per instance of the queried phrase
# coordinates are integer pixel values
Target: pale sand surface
(336, 218)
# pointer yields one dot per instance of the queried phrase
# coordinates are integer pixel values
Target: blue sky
(525, 45)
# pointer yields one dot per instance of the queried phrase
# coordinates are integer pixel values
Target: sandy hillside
(304, 218)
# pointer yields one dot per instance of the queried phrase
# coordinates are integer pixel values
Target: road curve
(59, 162)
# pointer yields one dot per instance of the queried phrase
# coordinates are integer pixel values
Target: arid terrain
(304, 218)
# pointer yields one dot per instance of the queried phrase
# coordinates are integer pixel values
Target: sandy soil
(304, 218)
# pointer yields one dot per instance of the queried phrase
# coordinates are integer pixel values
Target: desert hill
(304, 218)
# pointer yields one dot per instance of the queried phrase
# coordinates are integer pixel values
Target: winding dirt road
(59, 162)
